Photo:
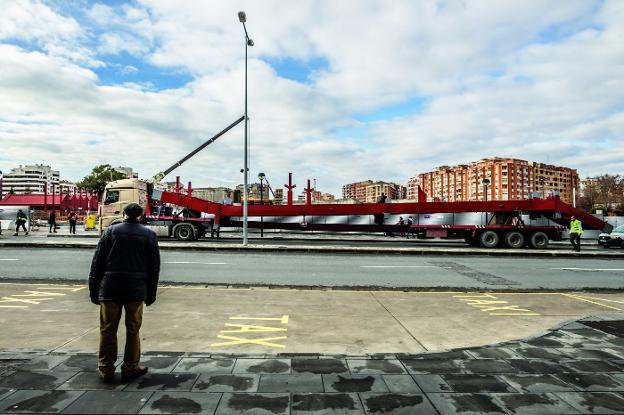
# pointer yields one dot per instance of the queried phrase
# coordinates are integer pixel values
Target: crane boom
(158, 177)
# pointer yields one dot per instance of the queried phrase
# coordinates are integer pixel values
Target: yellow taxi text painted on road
(30, 297)
(494, 306)
(240, 329)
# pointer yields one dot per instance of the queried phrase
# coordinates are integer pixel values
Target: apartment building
(32, 178)
(368, 191)
(213, 194)
(495, 179)
(356, 190)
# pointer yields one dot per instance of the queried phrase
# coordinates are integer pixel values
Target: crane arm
(158, 177)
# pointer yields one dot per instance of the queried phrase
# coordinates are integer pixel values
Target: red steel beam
(545, 206)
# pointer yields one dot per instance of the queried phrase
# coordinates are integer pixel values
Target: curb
(437, 251)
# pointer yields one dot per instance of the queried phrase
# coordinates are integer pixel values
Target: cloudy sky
(338, 90)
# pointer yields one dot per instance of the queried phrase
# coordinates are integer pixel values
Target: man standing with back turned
(576, 230)
(124, 274)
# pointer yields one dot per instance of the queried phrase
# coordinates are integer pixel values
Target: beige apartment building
(368, 191)
(501, 178)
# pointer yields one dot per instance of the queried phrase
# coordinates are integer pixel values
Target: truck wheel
(184, 232)
(514, 239)
(489, 239)
(539, 240)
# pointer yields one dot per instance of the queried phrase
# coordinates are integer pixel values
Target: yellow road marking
(601, 299)
(246, 328)
(267, 341)
(283, 319)
(590, 301)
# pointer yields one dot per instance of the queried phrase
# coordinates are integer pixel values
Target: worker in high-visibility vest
(576, 230)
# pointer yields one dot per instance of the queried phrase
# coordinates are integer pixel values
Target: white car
(615, 238)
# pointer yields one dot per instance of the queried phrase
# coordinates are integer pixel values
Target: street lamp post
(486, 182)
(248, 42)
(261, 176)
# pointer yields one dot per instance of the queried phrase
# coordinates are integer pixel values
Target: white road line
(9, 259)
(196, 263)
(589, 269)
(398, 266)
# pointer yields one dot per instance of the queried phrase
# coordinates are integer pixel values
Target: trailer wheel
(539, 240)
(514, 240)
(489, 239)
(184, 232)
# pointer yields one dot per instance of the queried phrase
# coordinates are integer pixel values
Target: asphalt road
(340, 270)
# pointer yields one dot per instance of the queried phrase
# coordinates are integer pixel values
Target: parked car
(615, 238)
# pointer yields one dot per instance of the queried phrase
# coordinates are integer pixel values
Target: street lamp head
(486, 181)
(250, 42)
(261, 176)
(242, 17)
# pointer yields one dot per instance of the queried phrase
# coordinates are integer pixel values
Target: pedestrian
(73, 218)
(20, 221)
(401, 226)
(410, 222)
(52, 221)
(576, 230)
(124, 275)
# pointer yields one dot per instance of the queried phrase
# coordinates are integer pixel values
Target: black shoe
(132, 374)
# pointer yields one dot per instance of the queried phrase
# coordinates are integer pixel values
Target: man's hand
(95, 300)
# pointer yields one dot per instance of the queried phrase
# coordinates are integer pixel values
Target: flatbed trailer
(503, 223)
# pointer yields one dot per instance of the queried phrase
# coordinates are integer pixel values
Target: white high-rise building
(30, 179)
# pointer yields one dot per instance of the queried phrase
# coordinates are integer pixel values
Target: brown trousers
(110, 315)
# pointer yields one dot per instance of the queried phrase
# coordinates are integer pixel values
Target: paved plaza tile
(466, 404)
(164, 381)
(82, 362)
(254, 404)
(401, 384)
(38, 401)
(22, 379)
(532, 383)
(46, 362)
(594, 402)
(290, 383)
(354, 383)
(376, 367)
(485, 366)
(181, 403)
(91, 381)
(109, 402)
(397, 404)
(592, 382)
(477, 383)
(535, 404)
(160, 364)
(209, 382)
(326, 404)
(262, 366)
(319, 366)
(205, 365)
(432, 367)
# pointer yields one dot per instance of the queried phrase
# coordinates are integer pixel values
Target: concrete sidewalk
(575, 368)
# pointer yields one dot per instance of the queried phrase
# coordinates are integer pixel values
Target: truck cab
(117, 195)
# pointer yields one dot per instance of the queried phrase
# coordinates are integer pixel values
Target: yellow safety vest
(576, 227)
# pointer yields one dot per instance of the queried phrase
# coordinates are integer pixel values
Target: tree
(100, 175)
(604, 192)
